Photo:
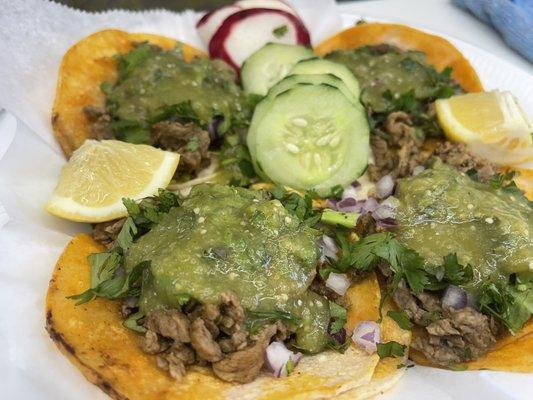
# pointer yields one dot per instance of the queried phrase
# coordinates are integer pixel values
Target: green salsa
(154, 84)
(443, 211)
(233, 239)
(386, 74)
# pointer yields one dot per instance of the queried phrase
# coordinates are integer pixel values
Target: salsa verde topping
(232, 239)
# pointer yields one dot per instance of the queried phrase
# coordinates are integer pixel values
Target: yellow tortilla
(94, 340)
(84, 67)
(440, 52)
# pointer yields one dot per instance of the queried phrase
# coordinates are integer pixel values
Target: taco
(242, 289)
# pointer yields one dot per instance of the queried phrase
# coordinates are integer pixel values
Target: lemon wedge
(100, 173)
(487, 117)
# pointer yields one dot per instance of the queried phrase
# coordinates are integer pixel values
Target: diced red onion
(349, 192)
(385, 186)
(348, 204)
(213, 128)
(418, 170)
(454, 297)
(340, 336)
(387, 223)
(369, 205)
(366, 335)
(277, 356)
(383, 212)
(328, 247)
(331, 203)
(339, 283)
(387, 209)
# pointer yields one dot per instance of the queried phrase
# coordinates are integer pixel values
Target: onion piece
(328, 247)
(366, 335)
(418, 170)
(349, 192)
(349, 204)
(339, 337)
(277, 356)
(454, 297)
(385, 186)
(369, 205)
(339, 283)
(387, 223)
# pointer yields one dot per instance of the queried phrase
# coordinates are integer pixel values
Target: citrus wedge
(100, 173)
(486, 117)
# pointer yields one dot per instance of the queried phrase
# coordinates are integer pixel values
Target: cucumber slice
(328, 79)
(321, 66)
(268, 65)
(312, 137)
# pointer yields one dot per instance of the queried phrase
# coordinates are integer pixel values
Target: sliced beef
(422, 309)
(244, 365)
(190, 141)
(152, 343)
(203, 342)
(448, 335)
(172, 324)
(400, 152)
(460, 156)
(106, 232)
(99, 119)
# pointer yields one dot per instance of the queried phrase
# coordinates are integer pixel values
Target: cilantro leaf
(126, 234)
(289, 365)
(508, 303)
(338, 317)
(280, 31)
(127, 62)
(183, 112)
(401, 318)
(132, 322)
(390, 349)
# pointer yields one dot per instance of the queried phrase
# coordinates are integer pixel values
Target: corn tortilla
(440, 52)
(93, 338)
(83, 68)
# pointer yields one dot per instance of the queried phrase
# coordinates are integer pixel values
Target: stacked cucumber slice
(310, 131)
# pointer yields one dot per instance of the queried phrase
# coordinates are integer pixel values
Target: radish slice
(246, 31)
(273, 4)
(210, 22)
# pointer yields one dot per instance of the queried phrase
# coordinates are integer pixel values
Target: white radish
(246, 31)
(210, 22)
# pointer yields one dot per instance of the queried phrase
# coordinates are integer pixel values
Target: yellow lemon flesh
(100, 173)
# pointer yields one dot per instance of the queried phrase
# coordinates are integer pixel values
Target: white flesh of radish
(208, 29)
(252, 33)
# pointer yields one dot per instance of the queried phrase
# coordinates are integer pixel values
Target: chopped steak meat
(401, 152)
(151, 343)
(203, 342)
(172, 324)
(448, 335)
(99, 119)
(460, 156)
(208, 333)
(106, 232)
(187, 139)
(244, 365)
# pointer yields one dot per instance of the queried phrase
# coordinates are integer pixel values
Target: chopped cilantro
(390, 349)
(401, 319)
(289, 366)
(280, 31)
(133, 322)
(338, 317)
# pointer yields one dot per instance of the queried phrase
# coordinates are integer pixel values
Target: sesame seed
(196, 210)
(203, 232)
(470, 206)
(201, 219)
(288, 219)
(489, 220)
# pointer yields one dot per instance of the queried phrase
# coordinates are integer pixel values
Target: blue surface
(512, 18)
